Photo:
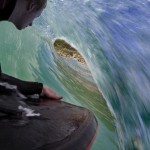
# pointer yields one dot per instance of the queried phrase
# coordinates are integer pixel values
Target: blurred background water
(114, 39)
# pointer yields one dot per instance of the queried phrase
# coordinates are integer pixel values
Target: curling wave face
(114, 39)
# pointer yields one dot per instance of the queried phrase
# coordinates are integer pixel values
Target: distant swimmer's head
(21, 12)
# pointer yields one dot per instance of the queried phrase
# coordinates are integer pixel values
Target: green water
(24, 54)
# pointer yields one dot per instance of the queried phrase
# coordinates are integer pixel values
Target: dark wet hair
(40, 3)
(10, 5)
(6, 12)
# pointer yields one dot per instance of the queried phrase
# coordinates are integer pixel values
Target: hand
(49, 93)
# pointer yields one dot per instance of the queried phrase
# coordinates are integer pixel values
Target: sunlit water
(114, 39)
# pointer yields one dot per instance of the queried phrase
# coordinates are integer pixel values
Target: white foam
(28, 112)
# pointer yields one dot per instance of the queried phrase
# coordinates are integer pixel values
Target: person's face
(28, 12)
(27, 21)
(31, 17)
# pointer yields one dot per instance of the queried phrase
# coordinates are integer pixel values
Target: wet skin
(25, 12)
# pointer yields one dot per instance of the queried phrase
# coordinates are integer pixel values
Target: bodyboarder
(21, 13)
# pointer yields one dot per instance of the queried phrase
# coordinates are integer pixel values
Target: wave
(114, 39)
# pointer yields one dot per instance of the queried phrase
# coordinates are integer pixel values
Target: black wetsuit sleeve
(25, 87)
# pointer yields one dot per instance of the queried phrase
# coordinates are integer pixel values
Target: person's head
(24, 11)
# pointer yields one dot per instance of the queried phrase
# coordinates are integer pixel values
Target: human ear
(32, 5)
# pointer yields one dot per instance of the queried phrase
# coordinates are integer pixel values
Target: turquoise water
(28, 56)
(114, 39)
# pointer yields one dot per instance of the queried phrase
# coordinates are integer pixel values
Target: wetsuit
(25, 87)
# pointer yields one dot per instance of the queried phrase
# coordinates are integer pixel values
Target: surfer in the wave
(21, 13)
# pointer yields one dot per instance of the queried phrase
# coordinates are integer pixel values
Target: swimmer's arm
(30, 88)
(25, 87)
